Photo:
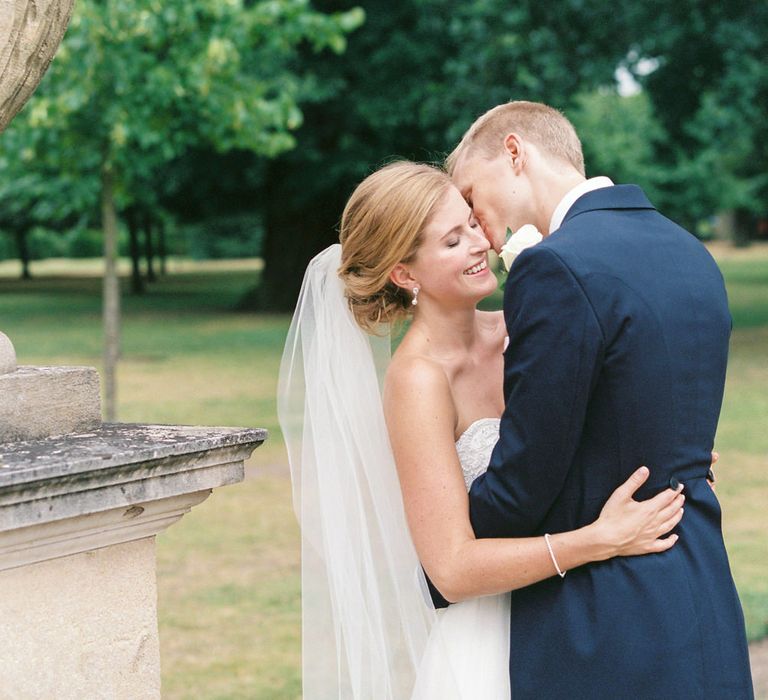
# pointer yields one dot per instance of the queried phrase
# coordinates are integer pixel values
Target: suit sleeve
(550, 368)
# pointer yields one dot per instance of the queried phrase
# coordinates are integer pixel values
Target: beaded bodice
(474, 447)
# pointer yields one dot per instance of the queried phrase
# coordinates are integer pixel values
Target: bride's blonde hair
(382, 225)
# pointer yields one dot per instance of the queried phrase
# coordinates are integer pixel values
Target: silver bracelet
(561, 574)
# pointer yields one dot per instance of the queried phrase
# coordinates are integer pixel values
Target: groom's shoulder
(547, 263)
(554, 251)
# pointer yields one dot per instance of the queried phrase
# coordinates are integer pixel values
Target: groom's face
(497, 196)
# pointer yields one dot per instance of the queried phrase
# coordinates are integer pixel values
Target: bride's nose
(480, 243)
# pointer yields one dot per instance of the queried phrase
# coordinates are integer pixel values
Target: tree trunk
(743, 226)
(149, 251)
(137, 283)
(297, 228)
(162, 250)
(111, 310)
(23, 250)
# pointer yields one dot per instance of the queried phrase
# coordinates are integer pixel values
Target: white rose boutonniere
(525, 237)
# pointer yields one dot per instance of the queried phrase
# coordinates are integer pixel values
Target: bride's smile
(451, 266)
(477, 269)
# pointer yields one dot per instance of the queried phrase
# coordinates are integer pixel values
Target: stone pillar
(80, 505)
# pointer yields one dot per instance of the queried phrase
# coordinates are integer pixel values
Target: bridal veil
(365, 612)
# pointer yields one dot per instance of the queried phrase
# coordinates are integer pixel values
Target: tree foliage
(223, 107)
(137, 84)
(412, 80)
(419, 72)
(620, 137)
(710, 93)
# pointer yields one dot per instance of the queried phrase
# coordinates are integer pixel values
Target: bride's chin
(467, 298)
(482, 292)
(475, 299)
(489, 289)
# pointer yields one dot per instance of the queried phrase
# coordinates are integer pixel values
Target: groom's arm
(550, 368)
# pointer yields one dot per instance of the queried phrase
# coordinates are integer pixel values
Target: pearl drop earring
(415, 296)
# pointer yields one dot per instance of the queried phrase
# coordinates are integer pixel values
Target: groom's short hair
(537, 122)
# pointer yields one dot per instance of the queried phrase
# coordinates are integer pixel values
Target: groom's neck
(550, 190)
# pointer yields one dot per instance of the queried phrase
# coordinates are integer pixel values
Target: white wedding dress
(468, 647)
(369, 630)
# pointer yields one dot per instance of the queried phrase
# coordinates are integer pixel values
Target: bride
(382, 451)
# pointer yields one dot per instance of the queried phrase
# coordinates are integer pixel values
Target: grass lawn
(228, 573)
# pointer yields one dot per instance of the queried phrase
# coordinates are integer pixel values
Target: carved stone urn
(30, 33)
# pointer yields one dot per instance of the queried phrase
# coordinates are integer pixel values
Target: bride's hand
(631, 527)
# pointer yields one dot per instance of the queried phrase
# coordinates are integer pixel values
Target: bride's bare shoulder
(417, 398)
(412, 372)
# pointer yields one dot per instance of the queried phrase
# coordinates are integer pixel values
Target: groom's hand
(711, 473)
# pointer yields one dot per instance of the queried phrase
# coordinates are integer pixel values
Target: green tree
(412, 80)
(137, 84)
(418, 73)
(31, 198)
(620, 136)
(710, 92)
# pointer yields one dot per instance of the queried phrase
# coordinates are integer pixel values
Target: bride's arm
(421, 420)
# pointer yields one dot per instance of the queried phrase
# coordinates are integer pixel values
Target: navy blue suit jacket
(619, 327)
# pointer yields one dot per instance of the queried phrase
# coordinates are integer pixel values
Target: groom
(618, 325)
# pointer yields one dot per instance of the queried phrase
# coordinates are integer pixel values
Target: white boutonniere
(525, 237)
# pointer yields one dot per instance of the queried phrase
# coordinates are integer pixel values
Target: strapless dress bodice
(474, 447)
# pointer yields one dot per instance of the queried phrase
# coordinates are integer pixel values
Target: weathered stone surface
(36, 402)
(113, 445)
(59, 538)
(7, 355)
(78, 515)
(30, 33)
(115, 466)
(83, 626)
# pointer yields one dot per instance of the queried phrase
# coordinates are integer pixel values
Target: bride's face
(452, 261)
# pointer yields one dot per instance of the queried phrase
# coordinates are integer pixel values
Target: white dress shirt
(593, 183)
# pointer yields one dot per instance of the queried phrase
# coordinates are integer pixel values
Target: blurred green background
(238, 128)
(227, 135)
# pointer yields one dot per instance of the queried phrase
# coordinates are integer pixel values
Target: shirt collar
(593, 183)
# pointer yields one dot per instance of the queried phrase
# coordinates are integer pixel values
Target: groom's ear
(514, 146)
(401, 276)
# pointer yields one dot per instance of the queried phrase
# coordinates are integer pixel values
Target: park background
(214, 143)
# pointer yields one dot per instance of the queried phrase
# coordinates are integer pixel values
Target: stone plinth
(120, 482)
(78, 516)
(82, 626)
(39, 401)
(36, 402)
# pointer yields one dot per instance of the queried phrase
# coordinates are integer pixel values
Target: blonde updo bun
(382, 225)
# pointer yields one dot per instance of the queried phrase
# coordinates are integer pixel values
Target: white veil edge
(365, 618)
